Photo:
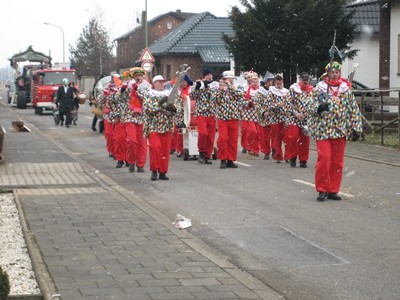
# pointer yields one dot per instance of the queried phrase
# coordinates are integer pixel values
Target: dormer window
(169, 25)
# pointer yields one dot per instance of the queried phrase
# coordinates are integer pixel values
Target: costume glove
(171, 108)
(354, 136)
(323, 107)
(198, 85)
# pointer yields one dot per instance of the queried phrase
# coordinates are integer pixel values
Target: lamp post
(146, 32)
(46, 23)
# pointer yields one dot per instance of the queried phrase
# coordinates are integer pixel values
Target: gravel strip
(14, 256)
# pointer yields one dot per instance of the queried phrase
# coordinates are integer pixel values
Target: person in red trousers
(297, 139)
(159, 125)
(334, 118)
(204, 111)
(229, 103)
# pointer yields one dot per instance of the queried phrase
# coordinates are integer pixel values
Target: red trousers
(177, 138)
(277, 134)
(119, 141)
(265, 139)
(206, 127)
(329, 166)
(109, 136)
(297, 144)
(135, 144)
(228, 135)
(252, 141)
(243, 135)
(159, 146)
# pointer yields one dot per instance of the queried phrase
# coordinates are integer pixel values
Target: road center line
(243, 164)
(313, 185)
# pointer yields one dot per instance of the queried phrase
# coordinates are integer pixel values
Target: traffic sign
(147, 66)
(146, 55)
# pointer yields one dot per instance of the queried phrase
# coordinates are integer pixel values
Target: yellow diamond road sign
(146, 55)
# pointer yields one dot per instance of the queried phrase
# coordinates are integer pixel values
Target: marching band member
(277, 98)
(108, 117)
(204, 112)
(264, 121)
(229, 103)
(334, 117)
(297, 139)
(158, 125)
(250, 127)
(135, 143)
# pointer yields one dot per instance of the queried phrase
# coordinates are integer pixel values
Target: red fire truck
(45, 83)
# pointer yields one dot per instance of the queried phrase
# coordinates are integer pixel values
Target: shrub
(4, 285)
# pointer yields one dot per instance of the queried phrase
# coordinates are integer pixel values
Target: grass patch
(390, 139)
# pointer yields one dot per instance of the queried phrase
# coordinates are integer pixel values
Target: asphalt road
(264, 216)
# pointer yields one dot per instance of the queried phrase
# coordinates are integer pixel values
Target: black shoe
(172, 151)
(266, 156)
(110, 155)
(303, 164)
(120, 163)
(67, 126)
(62, 123)
(223, 164)
(126, 164)
(273, 153)
(207, 161)
(153, 176)
(131, 168)
(163, 176)
(334, 196)
(244, 151)
(75, 123)
(293, 162)
(321, 196)
(93, 128)
(231, 164)
(140, 169)
(201, 157)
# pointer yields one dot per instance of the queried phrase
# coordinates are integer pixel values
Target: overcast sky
(22, 20)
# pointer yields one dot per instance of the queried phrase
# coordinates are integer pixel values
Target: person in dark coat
(65, 102)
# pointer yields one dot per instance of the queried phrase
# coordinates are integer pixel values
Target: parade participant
(118, 101)
(158, 126)
(185, 90)
(132, 120)
(335, 117)
(277, 98)
(263, 121)
(103, 103)
(65, 102)
(204, 113)
(229, 103)
(75, 107)
(249, 119)
(297, 139)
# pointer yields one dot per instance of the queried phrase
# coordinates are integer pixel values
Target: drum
(188, 113)
(82, 98)
(97, 111)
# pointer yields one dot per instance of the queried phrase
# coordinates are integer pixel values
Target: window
(169, 25)
(168, 72)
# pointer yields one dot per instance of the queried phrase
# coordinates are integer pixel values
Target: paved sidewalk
(100, 241)
(89, 238)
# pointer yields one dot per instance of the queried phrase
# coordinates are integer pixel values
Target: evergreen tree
(288, 36)
(92, 55)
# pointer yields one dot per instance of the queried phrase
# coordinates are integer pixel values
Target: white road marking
(88, 117)
(313, 185)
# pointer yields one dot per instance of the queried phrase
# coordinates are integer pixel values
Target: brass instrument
(174, 95)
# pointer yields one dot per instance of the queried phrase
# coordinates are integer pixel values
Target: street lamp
(46, 23)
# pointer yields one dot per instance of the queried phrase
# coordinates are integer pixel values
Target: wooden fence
(377, 117)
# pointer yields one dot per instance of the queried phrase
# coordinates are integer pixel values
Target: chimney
(178, 11)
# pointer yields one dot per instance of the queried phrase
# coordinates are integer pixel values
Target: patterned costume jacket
(204, 106)
(251, 99)
(157, 118)
(107, 103)
(297, 103)
(228, 102)
(342, 118)
(277, 99)
(262, 105)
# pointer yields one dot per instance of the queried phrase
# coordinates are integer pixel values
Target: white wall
(394, 45)
(367, 58)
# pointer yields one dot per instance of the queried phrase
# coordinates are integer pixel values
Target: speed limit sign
(147, 66)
